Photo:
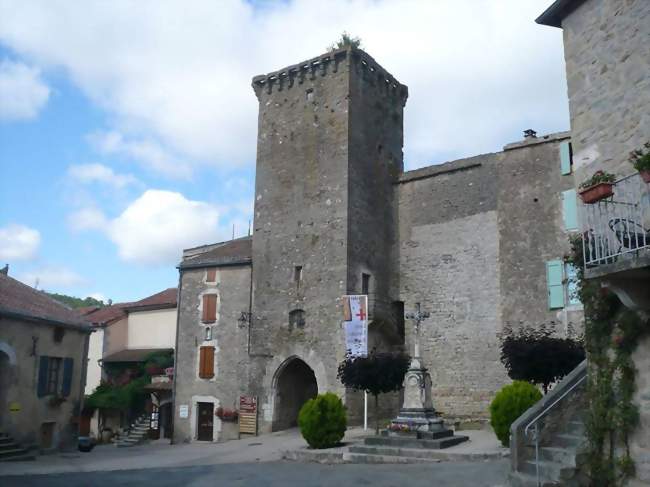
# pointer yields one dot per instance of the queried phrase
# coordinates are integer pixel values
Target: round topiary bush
(510, 403)
(323, 421)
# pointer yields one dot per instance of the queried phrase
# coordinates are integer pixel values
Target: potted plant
(597, 187)
(640, 159)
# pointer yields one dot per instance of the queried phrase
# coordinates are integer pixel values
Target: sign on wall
(355, 322)
(184, 411)
(248, 415)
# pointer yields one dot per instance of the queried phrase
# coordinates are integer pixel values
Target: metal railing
(535, 423)
(617, 225)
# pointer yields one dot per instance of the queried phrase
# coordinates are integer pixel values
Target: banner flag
(355, 321)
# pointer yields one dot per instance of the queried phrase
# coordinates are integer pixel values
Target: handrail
(541, 415)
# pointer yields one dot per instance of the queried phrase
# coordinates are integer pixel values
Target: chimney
(530, 134)
(5, 270)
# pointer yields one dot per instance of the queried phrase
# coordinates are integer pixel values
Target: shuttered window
(206, 362)
(42, 376)
(68, 365)
(554, 277)
(209, 308)
(565, 157)
(570, 209)
(211, 275)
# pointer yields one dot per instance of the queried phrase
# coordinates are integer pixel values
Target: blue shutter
(554, 277)
(570, 209)
(565, 157)
(41, 388)
(67, 376)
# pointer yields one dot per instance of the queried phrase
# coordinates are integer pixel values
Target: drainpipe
(82, 380)
(178, 314)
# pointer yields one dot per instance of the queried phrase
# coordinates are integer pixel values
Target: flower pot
(645, 175)
(597, 192)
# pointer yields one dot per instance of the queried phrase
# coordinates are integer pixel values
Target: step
(367, 458)
(565, 456)
(568, 440)
(549, 470)
(9, 445)
(4, 454)
(521, 479)
(422, 435)
(575, 428)
(414, 442)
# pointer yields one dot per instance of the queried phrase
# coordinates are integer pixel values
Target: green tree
(74, 302)
(377, 373)
(510, 403)
(322, 421)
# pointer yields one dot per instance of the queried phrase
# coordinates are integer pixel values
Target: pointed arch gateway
(294, 383)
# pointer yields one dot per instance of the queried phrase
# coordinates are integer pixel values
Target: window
(53, 371)
(566, 159)
(297, 318)
(555, 285)
(209, 308)
(211, 275)
(365, 283)
(570, 209)
(297, 276)
(208, 333)
(54, 376)
(309, 94)
(58, 334)
(206, 362)
(571, 285)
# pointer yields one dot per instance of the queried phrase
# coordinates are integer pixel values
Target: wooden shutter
(209, 308)
(68, 364)
(570, 209)
(211, 275)
(565, 157)
(554, 277)
(206, 362)
(42, 376)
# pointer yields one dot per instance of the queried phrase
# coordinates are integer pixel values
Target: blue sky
(127, 131)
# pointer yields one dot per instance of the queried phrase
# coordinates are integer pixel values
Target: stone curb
(314, 456)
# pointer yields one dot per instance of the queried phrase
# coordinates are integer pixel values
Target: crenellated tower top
(352, 58)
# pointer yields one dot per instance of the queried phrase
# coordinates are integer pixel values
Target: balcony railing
(618, 226)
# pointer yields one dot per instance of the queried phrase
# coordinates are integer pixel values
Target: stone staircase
(388, 448)
(10, 451)
(138, 433)
(557, 460)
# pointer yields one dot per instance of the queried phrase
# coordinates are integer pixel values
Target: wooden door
(205, 420)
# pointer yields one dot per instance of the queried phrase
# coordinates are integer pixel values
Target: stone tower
(329, 153)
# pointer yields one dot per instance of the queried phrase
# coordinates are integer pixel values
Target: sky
(128, 128)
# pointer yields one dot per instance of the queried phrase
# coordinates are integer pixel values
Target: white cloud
(176, 79)
(156, 227)
(99, 173)
(18, 242)
(89, 218)
(22, 92)
(52, 278)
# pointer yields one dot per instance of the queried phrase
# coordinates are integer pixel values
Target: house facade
(43, 357)
(478, 242)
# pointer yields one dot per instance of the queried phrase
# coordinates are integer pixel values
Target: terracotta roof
(18, 299)
(134, 355)
(107, 314)
(163, 299)
(232, 252)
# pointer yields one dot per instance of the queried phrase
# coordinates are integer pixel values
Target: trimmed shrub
(510, 403)
(323, 421)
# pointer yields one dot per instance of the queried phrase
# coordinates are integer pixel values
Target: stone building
(478, 242)
(43, 350)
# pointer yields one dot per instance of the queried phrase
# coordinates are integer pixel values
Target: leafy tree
(74, 302)
(378, 373)
(535, 356)
(323, 421)
(344, 41)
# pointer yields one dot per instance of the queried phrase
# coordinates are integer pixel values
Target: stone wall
(230, 339)
(607, 53)
(475, 235)
(25, 424)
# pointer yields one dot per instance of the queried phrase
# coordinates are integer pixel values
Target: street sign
(355, 322)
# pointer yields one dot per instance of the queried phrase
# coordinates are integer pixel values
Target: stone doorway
(295, 383)
(205, 419)
(6, 372)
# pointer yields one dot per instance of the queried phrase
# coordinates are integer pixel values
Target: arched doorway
(5, 383)
(295, 383)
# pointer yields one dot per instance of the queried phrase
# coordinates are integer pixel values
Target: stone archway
(294, 384)
(6, 367)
